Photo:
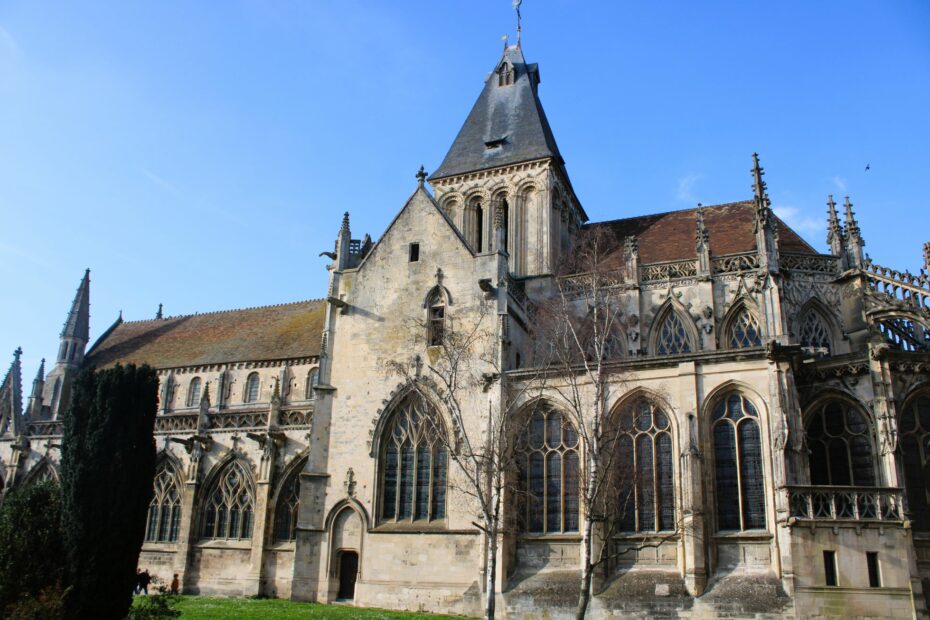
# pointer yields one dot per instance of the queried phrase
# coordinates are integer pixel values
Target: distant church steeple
(73, 343)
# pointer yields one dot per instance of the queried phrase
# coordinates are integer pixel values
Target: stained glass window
(840, 444)
(644, 469)
(251, 388)
(673, 337)
(915, 446)
(193, 392)
(414, 465)
(285, 513)
(814, 335)
(164, 517)
(743, 330)
(548, 469)
(229, 504)
(740, 487)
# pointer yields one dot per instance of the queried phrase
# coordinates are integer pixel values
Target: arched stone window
(285, 513)
(228, 504)
(814, 333)
(414, 464)
(915, 448)
(193, 392)
(644, 469)
(547, 474)
(840, 444)
(672, 337)
(164, 518)
(740, 480)
(743, 330)
(313, 380)
(251, 388)
(905, 335)
(475, 227)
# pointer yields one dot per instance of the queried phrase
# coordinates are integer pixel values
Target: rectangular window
(414, 252)
(829, 568)
(875, 576)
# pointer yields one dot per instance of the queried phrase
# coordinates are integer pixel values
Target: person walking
(144, 580)
(175, 584)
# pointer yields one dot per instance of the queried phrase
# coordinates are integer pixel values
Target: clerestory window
(252, 384)
(228, 504)
(193, 392)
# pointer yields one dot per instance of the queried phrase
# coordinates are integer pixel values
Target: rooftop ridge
(747, 202)
(228, 311)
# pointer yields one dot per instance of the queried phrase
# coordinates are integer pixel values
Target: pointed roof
(11, 391)
(506, 126)
(78, 323)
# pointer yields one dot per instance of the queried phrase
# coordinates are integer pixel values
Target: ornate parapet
(733, 263)
(902, 288)
(837, 504)
(811, 263)
(50, 428)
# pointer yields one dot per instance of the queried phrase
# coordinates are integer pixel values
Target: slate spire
(35, 399)
(11, 397)
(78, 324)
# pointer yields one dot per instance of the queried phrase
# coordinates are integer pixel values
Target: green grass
(206, 608)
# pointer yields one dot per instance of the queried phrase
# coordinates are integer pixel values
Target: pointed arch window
(164, 517)
(814, 334)
(285, 513)
(436, 321)
(644, 469)
(313, 380)
(743, 330)
(672, 337)
(905, 335)
(547, 474)
(414, 464)
(228, 504)
(740, 486)
(840, 444)
(252, 384)
(915, 447)
(193, 392)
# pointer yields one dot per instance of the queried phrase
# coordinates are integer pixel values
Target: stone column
(189, 531)
(693, 557)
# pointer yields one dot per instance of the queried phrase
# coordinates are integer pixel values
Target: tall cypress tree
(107, 469)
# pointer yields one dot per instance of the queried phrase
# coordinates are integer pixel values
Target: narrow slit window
(875, 575)
(829, 568)
(414, 252)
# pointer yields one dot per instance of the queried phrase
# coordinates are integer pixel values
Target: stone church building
(775, 406)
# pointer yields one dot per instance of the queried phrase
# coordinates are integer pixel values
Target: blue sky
(201, 155)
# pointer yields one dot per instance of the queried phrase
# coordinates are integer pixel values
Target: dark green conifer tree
(107, 469)
(31, 546)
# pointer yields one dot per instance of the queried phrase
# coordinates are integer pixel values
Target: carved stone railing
(842, 503)
(814, 263)
(238, 419)
(517, 290)
(176, 422)
(296, 418)
(901, 286)
(673, 270)
(49, 428)
(734, 263)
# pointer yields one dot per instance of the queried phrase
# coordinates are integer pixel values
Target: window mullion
(656, 492)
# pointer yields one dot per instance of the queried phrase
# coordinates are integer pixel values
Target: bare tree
(465, 360)
(580, 335)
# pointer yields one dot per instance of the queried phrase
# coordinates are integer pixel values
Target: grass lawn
(206, 608)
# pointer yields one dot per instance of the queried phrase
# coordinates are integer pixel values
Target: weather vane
(516, 6)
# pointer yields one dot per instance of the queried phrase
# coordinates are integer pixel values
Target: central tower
(505, 161)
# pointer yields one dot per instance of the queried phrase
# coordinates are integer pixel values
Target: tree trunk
(584, 593)
(490, 568)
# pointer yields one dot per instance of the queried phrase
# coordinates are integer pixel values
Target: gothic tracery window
(228, 504)
(743, 330)
(840, 444)
(414, 464)
(164, 516)
(193, 392)
(251, 388)
(644, 478)
(548, 472)
(672, 337)
(915, 447)
(905, 334)
(285, 514)
(740, 486)
(814, 334)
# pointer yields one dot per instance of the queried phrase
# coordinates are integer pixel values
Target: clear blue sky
(200, 154)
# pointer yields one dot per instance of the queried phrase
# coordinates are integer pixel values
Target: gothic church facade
(778, 419)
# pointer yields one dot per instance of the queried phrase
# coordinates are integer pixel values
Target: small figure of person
(175, 584)
(137, 589)
(144, 580)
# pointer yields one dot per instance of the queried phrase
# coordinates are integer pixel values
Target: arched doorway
(348, 573)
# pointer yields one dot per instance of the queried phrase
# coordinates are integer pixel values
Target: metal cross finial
(421, 176)
(516, 6)
(18, 352)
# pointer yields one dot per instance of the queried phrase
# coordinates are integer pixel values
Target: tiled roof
(506, 125)
(671, 236)
(285, 331)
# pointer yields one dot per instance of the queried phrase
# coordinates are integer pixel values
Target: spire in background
(34, 410)
(78, 324)
(11, 397)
